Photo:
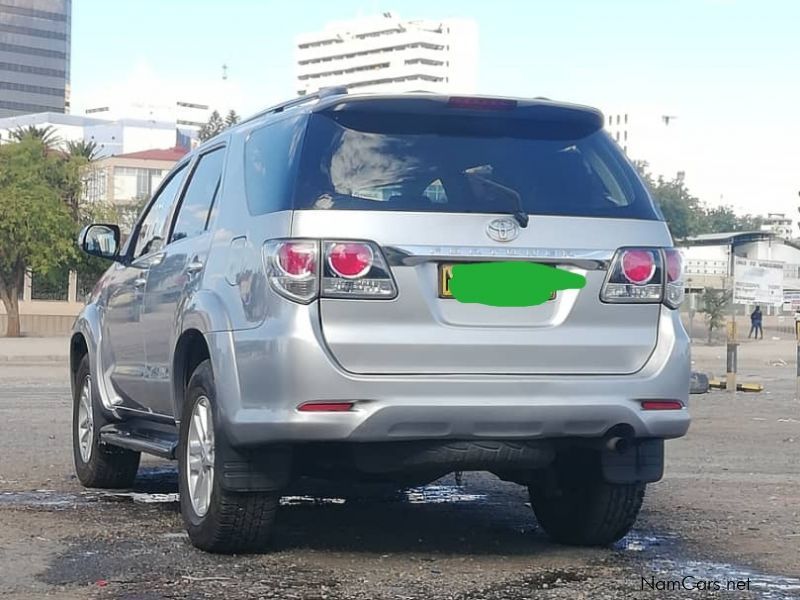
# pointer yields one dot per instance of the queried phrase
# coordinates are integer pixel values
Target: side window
(151, 233)
(269, 158)
(199, 196)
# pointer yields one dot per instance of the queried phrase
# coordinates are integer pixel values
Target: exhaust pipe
(618, 444)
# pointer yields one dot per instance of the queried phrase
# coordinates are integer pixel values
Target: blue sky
(730, 69)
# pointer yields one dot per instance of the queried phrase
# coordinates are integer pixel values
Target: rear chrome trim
(593, 260)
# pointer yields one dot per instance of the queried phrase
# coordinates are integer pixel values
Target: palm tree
(46, 135)
(82, 148)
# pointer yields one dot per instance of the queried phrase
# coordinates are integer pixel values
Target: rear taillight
(674, 291)
(292, 268)
(356, 269)
(638, 266)
(645, 275)
(635, 276)
(303, 270)
(350, 260)
(298, 259)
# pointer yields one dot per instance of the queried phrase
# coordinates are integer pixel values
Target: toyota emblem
(502, 230)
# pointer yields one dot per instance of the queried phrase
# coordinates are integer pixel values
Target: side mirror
(100, 240)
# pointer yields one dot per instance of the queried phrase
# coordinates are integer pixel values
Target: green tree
(685, 214)
(232, 118)
(46, 135)
(36, 227)
(82, 148)
(722, 219)
(214, 127)
(714, 302)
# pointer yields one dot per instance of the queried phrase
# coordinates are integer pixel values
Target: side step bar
(142, 436)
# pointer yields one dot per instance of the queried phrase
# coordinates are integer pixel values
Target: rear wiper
(518, 212)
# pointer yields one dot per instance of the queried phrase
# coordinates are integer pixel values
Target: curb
(34, 359)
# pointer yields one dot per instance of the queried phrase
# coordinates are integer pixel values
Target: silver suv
(285, 307)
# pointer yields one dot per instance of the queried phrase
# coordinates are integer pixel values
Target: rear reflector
(325, 407)
(481, 103)
(662, 404)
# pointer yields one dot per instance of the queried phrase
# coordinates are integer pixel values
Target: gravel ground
(726, 511)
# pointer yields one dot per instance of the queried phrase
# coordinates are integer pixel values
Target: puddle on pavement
(652, 549)
(440, 494)
(310, 501)
(637, 541)
(770, 587)
(160, 481)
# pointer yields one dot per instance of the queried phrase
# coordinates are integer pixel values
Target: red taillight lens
(298, 259)
(662, 404)
(674, 265)
(350, 260)
(638, 266)
(325, 406)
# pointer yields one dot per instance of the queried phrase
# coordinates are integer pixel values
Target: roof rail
(319, 95)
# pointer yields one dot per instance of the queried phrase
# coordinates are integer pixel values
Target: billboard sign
(791, 300)
(757, 282)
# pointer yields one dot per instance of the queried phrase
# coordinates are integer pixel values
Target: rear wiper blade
(518, 211)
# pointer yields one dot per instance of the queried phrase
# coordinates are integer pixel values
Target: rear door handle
(195, 266)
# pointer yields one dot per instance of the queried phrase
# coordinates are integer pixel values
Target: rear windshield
(388, 161)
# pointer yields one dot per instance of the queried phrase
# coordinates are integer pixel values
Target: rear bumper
(264, 374)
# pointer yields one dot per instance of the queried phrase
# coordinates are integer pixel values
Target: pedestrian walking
(756, 320)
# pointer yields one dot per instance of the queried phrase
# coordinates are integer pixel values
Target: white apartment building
(186, 114)
(779, 224)
(112, 137)
(650, 135)
(387, 54)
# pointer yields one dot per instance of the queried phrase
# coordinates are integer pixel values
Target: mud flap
(643, 462)
(261, 469)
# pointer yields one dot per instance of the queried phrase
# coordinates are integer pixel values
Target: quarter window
(199, 196)
(151, 232)
(269, 159)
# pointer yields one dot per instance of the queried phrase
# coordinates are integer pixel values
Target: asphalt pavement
(727, 513)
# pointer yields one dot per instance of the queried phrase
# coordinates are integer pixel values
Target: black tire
(107, 466)
(234, 522)
(575, 506)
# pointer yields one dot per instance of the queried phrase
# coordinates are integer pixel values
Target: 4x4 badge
(502, 230)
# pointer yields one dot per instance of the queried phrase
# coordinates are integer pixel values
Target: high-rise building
(34, 56)
(388, 54)
(650, 135)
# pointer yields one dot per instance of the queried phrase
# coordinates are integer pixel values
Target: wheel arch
(78, 348)
(191, 349)
(204, 314)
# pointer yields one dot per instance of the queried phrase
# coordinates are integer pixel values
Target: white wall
(138, 138)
